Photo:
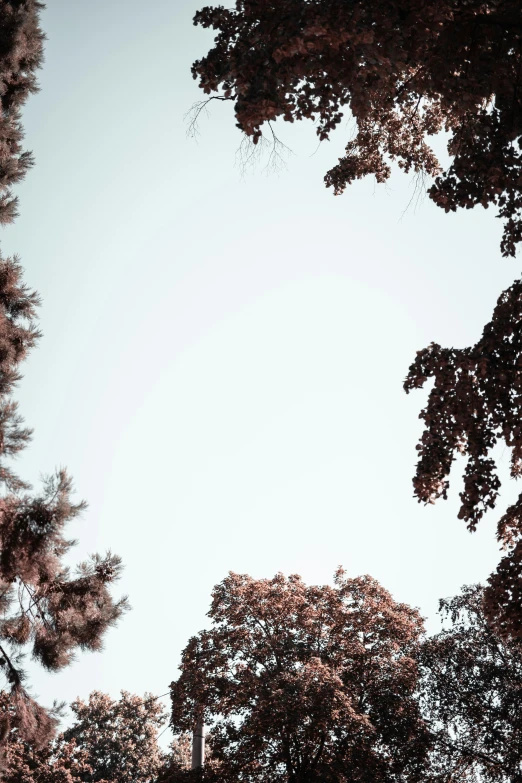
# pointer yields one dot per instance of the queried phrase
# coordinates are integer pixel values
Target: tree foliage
(44, 607)
(110, 741)
(310, 684)
(300, 683)
(475, 403)
(407, 70)
(21, 54)
(178, 763)
(119, 737)
(56, 761)
(404, 69)
(472, 679)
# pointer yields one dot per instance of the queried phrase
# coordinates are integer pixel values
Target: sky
(223, 354)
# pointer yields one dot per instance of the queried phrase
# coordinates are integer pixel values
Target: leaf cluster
(404, 69)
(475, 403)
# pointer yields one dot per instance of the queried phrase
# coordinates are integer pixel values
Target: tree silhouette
(300, 683)
(476, 402)
(471, 681)
(404, 70)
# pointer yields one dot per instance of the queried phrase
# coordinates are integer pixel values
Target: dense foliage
(56, 761)
(404, 69)
(309, 684)
(21, 54)
(119, 737)
(110, 741)
(300, 683)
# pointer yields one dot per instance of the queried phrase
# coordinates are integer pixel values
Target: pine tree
(44, 607)
(21, 54)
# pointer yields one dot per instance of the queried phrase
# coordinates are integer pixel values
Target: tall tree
(472, 680)
(404, 69)
(305, 683)
(44, 607)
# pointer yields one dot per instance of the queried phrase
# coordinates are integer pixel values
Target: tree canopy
(471, 685)
(305, 683)
(405, 70)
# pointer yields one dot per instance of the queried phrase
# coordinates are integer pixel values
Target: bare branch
(193, 114)
(249, 154)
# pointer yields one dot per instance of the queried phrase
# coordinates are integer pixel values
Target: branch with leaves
(404, 70)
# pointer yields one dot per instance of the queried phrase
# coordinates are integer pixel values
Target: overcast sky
(223, 353)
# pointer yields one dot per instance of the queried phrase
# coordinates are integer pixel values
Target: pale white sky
(223, 356)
